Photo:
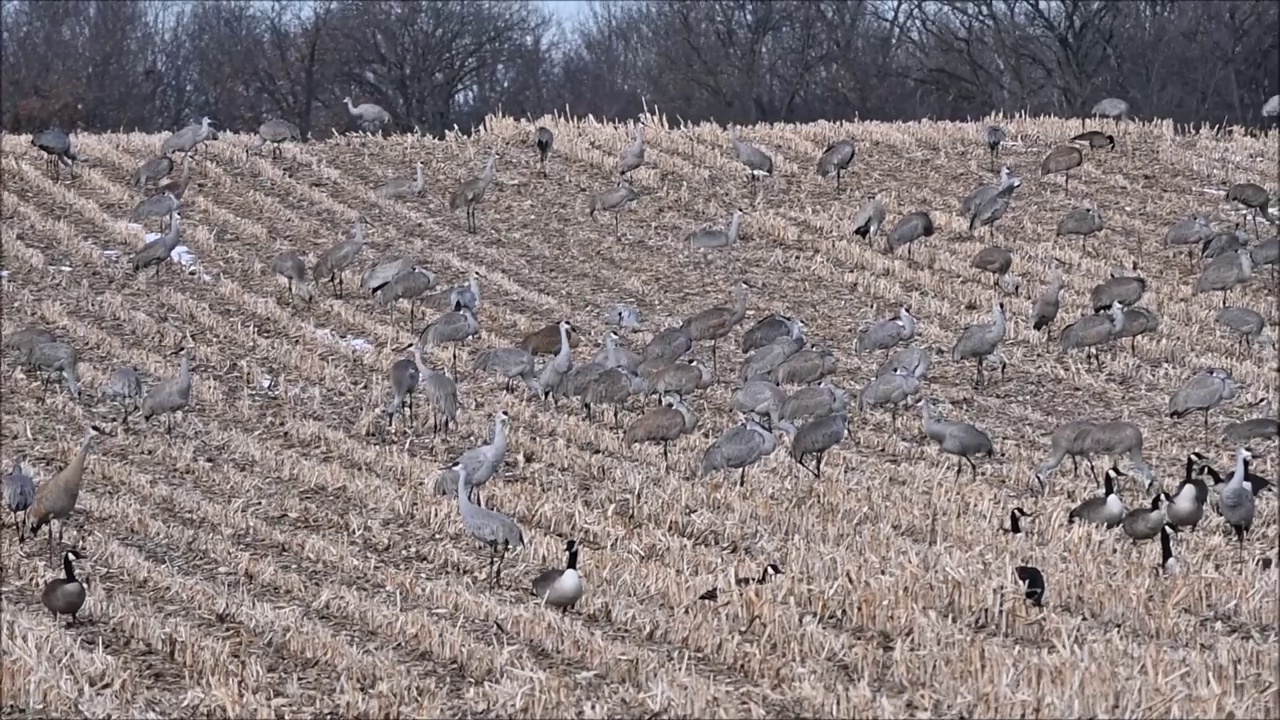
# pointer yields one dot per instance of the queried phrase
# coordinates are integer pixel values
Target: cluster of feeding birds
(784, 389)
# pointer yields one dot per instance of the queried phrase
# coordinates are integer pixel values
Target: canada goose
(1015, 524)
(744, 580)
(1145, 523)
(1033, 584)
(1185, 507)
(561, 587)
(1169, 564)
(65, 595)
(1107, 510)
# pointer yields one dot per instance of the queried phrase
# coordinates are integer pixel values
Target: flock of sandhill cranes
(784, 385)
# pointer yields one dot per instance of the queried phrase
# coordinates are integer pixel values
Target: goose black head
(1110, 479)
(1033, 584)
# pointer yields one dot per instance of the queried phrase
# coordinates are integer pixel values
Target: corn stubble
(268, 539)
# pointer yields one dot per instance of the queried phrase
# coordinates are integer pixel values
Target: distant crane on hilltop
(371, 117)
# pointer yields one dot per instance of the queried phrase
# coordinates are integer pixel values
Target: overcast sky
(566, 9)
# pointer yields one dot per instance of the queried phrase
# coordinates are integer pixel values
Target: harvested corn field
(283, 553)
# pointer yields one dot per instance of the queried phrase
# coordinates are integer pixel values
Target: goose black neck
(1166, 546)
(572, 562)
(69, 568)
(1191, 463)
(1109, 485)
(1213, 474)
(1014, 526)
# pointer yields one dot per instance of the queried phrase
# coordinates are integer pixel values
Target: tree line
(153, 65)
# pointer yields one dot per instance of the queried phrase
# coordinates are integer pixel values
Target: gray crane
(910, 228)
(815, 401)
(160, 205)
(1267, 253)
(970, 203)
(613, 355)
(1224, 273)
(1081, 221)
(613, 200)
(370, 117)
(1222, 243)
(994, 136)
(402, 187)
(623, 316)
(1236, 501)
(1045, 310)
(54, 359)
(764, 361)
(332, 264)
(404, 381)
(1107, 510)
(887, 333)
(1095, 140)
(613, 386)
(467, 295)
(1113, 108)
(1271, 109)
(960, 439)
(59, 149)
(682, 379)
(170, 395)
(472, 192)
(188, 139)
(998, 261)
(816, 438)
(18, 490)
(554, 372)
(1093, 331)
(1205, 390)
(409, 285)
(276, 132)
(982, 340)
(893, 389)
(710, 238)
(494, 529)
(125, 387)
(869, 218)
(1263, 427)
(1062, 159)
(770, 328)
(988, 210)
(664, 425)
(452, 327)
(1248, 324)
(27, 338)
(177, 188)
(762, 398)
(509, 363)
(479, 464)
(738, 448)
(913, 359)
(1119, 288)
(544, 141)
(1189, 231)
(836, 159)
(717, 322)
(669, 344)
(546, 340)
(805, 367)
(1070, 439)
(152, 171)
(632, 156)
(758, 163)
(289, 265)
(56, 497)
(1254, 197)
(155, 252)
(1137, 321)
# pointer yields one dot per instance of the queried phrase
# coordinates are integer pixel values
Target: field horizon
(279, 557)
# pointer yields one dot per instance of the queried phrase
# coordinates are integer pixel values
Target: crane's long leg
(455, 361)
(742, 479)
(972, 468)
(617, 226)
(17, 528)
(714, 367)
(818, 472)
(493, 553)
(959, 469)
(501, 556)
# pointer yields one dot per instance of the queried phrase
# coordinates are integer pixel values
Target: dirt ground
(276, 556)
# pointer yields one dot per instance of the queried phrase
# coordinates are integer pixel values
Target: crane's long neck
(351, 108)
(500, 436)
(490, 172)
(464, 501)
(908, 322)
(184, 372)
(1242, 469)
(420, 181)
(563, 353)
(998, 319)
(734, 225)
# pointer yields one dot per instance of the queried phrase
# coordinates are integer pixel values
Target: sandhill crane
(623, 316)
(125, 387)
(970, 203)
(382, 272)
(152, 171)
(370, 117)
(155, 252)
(997, 261)
(766, 330)
(613, 355)
(663, 425)
(993, 136)
(632, 156)
(804, 367)
(160, 205)
(816, 437)
(1225, 242)
(1248, 324)
(837, 159)
(1263, 427)
(1119, 288)
(401, 187)
(1137, 321)
(544, 141)
(981, 340)
(614, 386)
(814, 401)
(915, 360)
(764, 361)
(334, 261)
(18, 491)
(1062, 159)
(869, 219)
(65, 595)
(987, 207)
(1193, 230)
(56, 497)
(23, 340)
(1205, 390)
(613, 200)
(494, 529)
(668, 343)
(177, 188)
(171, 395)
(188, 139)
(739, 448)
(553, 373)
(59, 150)
(1254, 197)
(1266, 253)
(509, 363)
(290, 265)
(893, 389)
(479, 464)
(404, 381)
(887, 333)
(409, 285)
(961, 439)
(758, 163)
(760, 397)
(1045, 310)
(1236, 502)
(574, 384)
(1070, 439)
(546, 340)
(1113, 108)
(1081, 221)
(471, 192)
(708, 238)
(1224, 273)
(1094, 331)
(1095, 140)
(909, 229)
(682, 379)
(274, 131)
(54, 359)
(717, 322)
(452, 327)
(561, 587)
(439, 390)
